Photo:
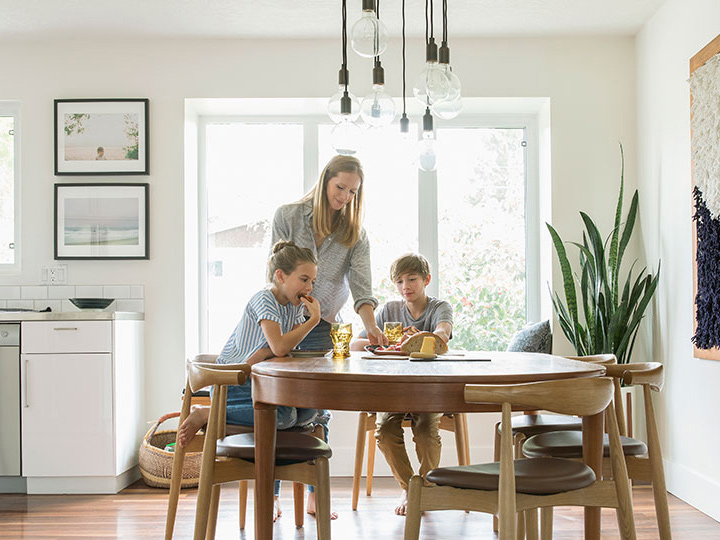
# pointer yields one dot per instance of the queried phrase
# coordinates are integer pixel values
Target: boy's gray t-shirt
(436, 311)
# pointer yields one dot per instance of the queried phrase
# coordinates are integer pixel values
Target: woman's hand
(376, 336)
(312, 306)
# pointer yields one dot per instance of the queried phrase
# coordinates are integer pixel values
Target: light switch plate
(54, 275)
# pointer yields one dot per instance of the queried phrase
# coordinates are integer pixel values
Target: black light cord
(377, 34)
(444, 38)
(432, 26)
(403, 55)
(344, 40)
(427, 24)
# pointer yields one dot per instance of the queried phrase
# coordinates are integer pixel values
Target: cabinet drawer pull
(66, 328)
(25, 385)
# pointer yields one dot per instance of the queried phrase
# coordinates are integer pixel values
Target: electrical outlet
(54, 275)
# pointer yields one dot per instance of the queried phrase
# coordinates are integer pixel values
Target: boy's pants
(390, 440)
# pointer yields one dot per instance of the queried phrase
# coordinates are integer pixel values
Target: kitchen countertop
(20, 316)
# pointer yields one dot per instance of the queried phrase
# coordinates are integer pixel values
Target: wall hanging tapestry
(705, 143)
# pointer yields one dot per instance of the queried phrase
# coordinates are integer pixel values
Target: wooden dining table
(358, 383)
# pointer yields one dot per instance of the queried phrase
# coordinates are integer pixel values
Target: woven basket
(156, 463)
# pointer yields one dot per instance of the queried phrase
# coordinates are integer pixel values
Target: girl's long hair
(346, 223)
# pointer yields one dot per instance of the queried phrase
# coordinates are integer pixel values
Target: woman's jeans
(318, 338)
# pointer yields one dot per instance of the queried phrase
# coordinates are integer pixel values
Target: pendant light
(378, 107)
(369, 37)
(404, 120)
(427, 155)
(451, 106)
(432, 85)
(343, 108)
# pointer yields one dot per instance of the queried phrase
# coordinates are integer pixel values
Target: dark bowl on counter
(91, 303)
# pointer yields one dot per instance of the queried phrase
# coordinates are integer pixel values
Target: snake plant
(611, 311)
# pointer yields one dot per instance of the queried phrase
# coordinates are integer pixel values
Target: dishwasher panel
(10, 399)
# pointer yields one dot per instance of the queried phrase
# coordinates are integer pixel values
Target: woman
(328, 221)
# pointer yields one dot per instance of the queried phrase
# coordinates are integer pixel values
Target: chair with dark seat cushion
(644, 462)
(515, 486)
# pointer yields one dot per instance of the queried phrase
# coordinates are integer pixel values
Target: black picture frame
(95, 221)
(99, 137)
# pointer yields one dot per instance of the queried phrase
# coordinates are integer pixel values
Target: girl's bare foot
(401, 508)
(197, 418)
(277, 511)
(311, 506)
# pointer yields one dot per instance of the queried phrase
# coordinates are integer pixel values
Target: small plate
(309, 353)
(375, 349)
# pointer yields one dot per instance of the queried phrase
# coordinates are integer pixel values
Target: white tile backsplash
(23, 304)
(116, 291)
(34, 292)
(10, 293)
(60, 292)
(88, 291)
(130, 305)
(56, 297)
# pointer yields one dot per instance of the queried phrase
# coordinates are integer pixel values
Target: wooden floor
(138, 513)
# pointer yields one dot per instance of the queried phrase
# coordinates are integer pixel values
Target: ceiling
(41, 19)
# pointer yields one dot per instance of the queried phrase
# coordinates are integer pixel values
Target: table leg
(593, 455)
(265, 432)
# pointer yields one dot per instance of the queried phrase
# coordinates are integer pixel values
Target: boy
(417, 312)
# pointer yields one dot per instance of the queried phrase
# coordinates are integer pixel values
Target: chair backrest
(582, 397)
(601, 359)
(649, 373)
(202, 375)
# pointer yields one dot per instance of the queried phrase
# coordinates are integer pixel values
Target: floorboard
(138, 513)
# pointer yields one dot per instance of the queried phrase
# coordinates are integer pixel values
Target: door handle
(25, 384)
(66, 328)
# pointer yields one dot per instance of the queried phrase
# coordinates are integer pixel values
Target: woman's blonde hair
(286, 256)
(346, 223)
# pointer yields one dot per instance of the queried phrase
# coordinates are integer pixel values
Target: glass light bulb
(333, 107)
(427, 156)
(369, 36)
(446, 109)
(432, 85)
(378, 107)
(453, 81)
(345, 138)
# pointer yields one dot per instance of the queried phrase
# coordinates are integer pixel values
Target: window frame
(13, 109)
(427, 194)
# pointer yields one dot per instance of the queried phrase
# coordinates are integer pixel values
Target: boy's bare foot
(311, 506)
(197, 418)
(277, 511)
(401, 508)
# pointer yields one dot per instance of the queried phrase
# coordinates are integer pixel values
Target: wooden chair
(644, 463)
(454, 422)
(207, 362)
(518, 485)
(532, 423)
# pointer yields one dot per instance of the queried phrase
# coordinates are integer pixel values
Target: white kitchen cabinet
(81, 404)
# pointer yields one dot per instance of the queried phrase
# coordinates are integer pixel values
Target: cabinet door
(67, 419)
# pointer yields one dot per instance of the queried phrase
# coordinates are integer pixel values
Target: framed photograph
(101, 136)
(101, 221)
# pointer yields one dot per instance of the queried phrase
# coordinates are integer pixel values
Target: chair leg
(656, 467)
(412, 519)
(322, 498)
(213, 512)
(299, 503)
(461, 439)
(174, 495)
(359, 454)
(531, 524)
(520, 526)
(546, 523)
(496, 458)
(242, 506)
(371, 444)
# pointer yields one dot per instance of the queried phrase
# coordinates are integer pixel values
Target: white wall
(688, 407)
(590, 83)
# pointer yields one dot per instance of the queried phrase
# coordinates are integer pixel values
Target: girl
(272, 324)
(328, 221)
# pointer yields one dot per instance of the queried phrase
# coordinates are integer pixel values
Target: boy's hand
(407, 332)
(312, 305)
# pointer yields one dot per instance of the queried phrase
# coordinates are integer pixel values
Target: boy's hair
(286, 256)
(348, 222)
(410, 263)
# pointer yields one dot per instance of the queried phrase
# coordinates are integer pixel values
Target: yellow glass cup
(393, 331)
(341, 334)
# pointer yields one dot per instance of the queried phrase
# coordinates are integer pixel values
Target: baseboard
(695, 489)
(82, 484)
(13, 484)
